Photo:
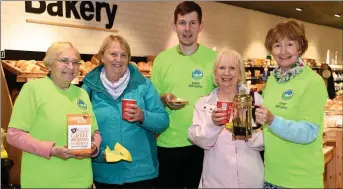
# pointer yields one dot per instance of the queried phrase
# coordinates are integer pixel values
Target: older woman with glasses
(38, 124)
(107, 85)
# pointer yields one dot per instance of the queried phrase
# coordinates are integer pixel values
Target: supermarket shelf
(338, 67)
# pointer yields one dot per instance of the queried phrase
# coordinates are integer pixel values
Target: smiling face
(227, 71)
(65, 67)
(187, 28)
(115, 59)
(285, 53)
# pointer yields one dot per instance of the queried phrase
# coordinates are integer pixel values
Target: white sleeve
(203, 132)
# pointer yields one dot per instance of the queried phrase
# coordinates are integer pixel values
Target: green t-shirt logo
(82, 104)
(197, 74)
(287, 94)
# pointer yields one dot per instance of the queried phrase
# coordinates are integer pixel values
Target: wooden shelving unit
(24, 76)
(333, 158)
(13, 153)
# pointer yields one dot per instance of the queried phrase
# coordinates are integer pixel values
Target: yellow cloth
(4, 154)
(3, 151)
(119, 153)
(228, 125)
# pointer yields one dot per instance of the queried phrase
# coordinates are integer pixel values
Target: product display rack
(338, 77)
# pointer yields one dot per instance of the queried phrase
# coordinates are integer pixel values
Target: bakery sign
(87, 10)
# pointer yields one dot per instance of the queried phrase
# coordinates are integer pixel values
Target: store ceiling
(317, 12)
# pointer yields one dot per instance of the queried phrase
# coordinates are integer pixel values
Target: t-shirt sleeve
(156, 75)
(313, 101)
(25, 109)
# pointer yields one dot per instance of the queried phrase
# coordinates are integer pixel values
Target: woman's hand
(87, 155)
(218, 115)
(263, 115)
(61, 152)
(134, 112)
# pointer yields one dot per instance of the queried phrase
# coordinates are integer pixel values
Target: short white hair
(238, 59)
(55, 49)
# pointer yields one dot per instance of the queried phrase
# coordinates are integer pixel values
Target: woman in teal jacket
(115, 79)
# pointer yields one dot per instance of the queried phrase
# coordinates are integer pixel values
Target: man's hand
(167, 101)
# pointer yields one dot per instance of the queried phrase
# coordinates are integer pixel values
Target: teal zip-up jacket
(136, 137)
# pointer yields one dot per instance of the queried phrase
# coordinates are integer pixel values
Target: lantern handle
(253, 111)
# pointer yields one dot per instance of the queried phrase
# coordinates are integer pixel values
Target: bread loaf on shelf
(145, 66)
(86, 67)
(95, 60)
(26, 66)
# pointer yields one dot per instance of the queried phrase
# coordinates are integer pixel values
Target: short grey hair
(55, 49)
(237, 57)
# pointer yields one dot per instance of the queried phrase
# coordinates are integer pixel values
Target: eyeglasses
(66, 61)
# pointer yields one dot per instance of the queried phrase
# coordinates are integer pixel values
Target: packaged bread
(12, 63)
(83, 70)
(144, 67)
(88, 64)
(133, 63)
(35, 68)
(141, 64)
(23, 66)
(95, 60)
(19, 63)
(27, 68)
(150, 63)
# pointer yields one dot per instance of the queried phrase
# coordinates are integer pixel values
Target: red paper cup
(124, 104)
(227, 107)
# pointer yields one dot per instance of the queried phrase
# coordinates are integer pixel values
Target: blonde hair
(55, 49)
(109, 40)
(290, 29)
(236, 57)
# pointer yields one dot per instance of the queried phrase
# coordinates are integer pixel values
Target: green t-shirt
(302, 98)
(41, 109)
(187, 77)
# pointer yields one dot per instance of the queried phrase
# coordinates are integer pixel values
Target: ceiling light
(338, 15)
(299, 9)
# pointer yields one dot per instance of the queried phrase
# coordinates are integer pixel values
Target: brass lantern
(242, 116)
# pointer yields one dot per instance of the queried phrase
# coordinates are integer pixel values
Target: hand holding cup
(131, 112)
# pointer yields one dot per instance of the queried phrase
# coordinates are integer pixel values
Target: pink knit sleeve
(96, 141)
(27, 143)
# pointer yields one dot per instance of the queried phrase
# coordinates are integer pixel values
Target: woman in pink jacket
(227, 163)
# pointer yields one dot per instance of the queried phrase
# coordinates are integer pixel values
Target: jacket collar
(92, 79)
(213, 97)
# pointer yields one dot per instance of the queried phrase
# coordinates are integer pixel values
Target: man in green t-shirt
(181, 75)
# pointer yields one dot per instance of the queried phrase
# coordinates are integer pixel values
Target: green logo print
(287, 94)
(197, 74)
(82, 104)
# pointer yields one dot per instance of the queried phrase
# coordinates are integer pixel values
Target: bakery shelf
(24, 76)
(336, 67)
